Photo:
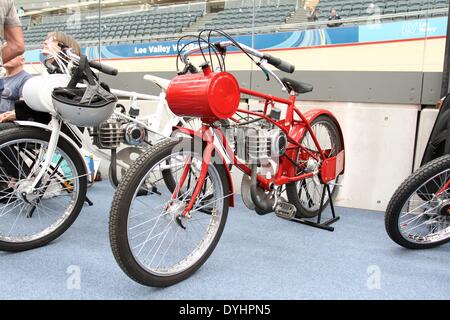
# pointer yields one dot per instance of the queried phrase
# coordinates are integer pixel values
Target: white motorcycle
(43, 174)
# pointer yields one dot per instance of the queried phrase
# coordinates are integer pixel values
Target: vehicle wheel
(31, 221)
(418, 214)
(153, 244)
(306, 194)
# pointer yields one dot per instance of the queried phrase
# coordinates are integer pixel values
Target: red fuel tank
(207, 95)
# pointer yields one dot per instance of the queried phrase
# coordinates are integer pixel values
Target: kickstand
(321, 225)
(89, 202)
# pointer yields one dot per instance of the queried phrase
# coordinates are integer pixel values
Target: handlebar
(103, 68)
(279, 64)
(264, 59)
(94, 64)
(221, 46)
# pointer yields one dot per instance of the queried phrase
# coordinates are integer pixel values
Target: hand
(8, 116)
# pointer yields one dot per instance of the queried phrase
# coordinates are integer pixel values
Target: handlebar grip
(103, 68)
(279, 64)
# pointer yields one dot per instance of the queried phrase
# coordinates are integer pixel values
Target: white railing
(234, 4)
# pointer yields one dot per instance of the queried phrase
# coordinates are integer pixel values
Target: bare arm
(16, 45)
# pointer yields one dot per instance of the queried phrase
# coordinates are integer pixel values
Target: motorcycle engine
(259, 143)
(111, 133)
(135, 134)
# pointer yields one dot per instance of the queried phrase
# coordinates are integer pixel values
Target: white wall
(379, 145)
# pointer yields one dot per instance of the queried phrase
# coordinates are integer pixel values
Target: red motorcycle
(170, 209)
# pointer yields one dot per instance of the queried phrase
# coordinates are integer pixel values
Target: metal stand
(321, 225)
(89, 202)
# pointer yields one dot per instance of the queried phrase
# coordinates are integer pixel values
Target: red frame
(442, 190)
(330, 169)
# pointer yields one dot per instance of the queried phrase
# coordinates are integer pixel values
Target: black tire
(120, 211)
(65, 146)
(414, 182)
(292, 190)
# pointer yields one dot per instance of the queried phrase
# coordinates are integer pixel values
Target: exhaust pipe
(263, 203)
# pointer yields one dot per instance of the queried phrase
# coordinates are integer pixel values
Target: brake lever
(267, 75)
(267, 71)
(261, 64)
(188, 68)
(192, 69)
(184, 71)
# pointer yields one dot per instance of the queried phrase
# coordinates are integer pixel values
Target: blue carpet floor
(257, 258)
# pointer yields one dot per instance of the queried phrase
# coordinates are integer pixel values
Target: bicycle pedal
(285, 210)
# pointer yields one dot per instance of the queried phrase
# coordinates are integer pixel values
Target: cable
(235, 43)
(199, 40)
(220, 56)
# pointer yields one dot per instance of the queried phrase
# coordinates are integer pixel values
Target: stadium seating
(120, 27)
(138, 26)
(236, 18)
(358, 8)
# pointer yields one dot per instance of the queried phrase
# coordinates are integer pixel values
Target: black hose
(113, 165)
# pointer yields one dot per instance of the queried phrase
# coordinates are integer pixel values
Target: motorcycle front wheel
(152, 242)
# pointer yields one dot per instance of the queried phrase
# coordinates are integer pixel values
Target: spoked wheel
(418, 215)
(153, 242)
(32, 219)
(307, 194)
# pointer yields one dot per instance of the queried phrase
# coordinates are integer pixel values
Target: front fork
(443, 189)
(55, 126)
(206, 161)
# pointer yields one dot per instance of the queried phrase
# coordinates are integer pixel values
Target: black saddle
(297, 86)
